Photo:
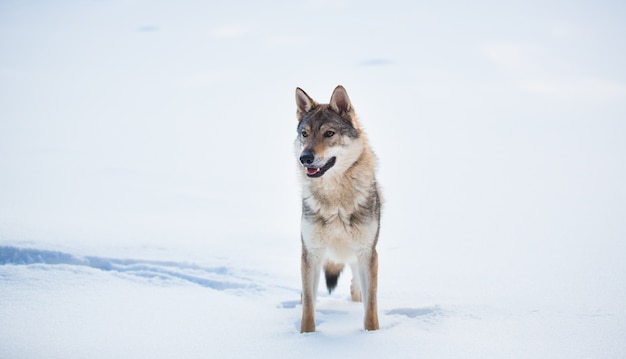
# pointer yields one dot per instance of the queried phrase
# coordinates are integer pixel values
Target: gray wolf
(341, 203)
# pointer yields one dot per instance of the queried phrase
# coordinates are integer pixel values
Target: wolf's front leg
(311, 268)
(368, 268)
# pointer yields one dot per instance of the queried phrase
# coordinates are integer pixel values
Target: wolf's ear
(304, 103)
(340, 102)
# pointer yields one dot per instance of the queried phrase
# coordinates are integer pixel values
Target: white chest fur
(334, 224)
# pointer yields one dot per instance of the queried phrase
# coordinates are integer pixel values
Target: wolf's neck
(348, 188)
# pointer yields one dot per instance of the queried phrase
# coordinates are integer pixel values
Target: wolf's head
(329, 138)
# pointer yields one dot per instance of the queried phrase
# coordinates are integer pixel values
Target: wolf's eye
(304, 133)
(329, 134)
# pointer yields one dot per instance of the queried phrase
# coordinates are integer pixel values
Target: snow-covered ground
(149, 203)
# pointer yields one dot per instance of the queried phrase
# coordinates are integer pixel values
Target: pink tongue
(312, 171)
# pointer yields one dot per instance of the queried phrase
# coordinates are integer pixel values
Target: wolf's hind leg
(355, 284)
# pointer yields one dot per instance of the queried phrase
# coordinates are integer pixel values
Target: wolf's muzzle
(307, 158)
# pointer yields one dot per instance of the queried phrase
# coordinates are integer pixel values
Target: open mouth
(314, 172)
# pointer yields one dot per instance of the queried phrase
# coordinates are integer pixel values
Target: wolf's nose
(307, 158)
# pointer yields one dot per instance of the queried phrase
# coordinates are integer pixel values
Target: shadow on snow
(219, 278)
